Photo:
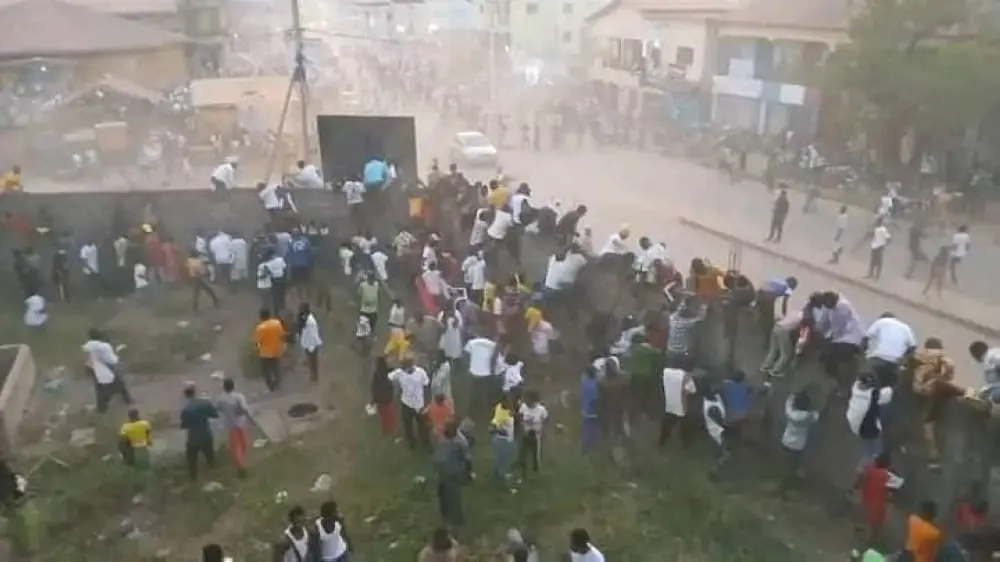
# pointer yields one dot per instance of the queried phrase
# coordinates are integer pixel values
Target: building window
(567, 36)
(568, 9)
(685, 56)
(531, 8)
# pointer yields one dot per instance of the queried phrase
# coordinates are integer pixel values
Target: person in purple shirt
(769, 293)
(589, 394)
(844, 331)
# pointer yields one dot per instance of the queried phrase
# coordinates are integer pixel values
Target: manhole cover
(302, 409)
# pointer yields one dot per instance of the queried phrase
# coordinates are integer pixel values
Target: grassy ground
(658, 506)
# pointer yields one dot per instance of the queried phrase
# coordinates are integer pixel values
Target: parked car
(473, 149)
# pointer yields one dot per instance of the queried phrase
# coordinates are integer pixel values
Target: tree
(925, 67)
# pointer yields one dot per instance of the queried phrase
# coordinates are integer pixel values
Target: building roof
(650, 7)
(39, 28)
(130, 7)
(810, 14)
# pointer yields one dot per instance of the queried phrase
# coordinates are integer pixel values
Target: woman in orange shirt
(923, 537)
(439, 412)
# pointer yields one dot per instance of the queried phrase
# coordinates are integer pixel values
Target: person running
(412, 381)
(196, 273)
(269, 337)
(309, 339)
(383, 396)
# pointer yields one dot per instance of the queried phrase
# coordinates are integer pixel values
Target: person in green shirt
(196, 416)
(368, 293)
(644, 363)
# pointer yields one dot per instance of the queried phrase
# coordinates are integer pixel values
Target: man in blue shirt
(375, 174)
(300, 258)
(769, 293)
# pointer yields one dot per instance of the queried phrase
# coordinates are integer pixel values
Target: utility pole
(298, 81)
(299, 75)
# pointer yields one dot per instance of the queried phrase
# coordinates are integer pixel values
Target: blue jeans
(589, 429)
(503, 456)
(870, 449)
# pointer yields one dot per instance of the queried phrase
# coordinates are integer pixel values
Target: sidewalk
(974, 315)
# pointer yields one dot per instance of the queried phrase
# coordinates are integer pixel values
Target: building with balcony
(769, 61)
(751, 64)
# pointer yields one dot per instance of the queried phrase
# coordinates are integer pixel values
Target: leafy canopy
(926, 64)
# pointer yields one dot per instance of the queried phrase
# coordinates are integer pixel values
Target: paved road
(650, 193)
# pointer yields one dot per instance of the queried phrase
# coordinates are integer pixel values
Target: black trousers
(530, 451)
(195, 448)
(667, 424)
(414, 428)
(105, 392)
(198, 286)
(449, 495)
(840, 361)
(270, 372)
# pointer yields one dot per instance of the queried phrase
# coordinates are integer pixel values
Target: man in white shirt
(960, 244)
(518, 200)
(678, 388)
(434, 282)
(880, 239)
(271, 199)
(220, 248)
(35, 315)
(888, 342)
(482, 353)
(380, 261)
(502, 222)
(480, 225)
(616, 253)
(308, 176)
(91, 264)
(101, 363)
(474, 275)
(275, 268)
(412, 381)
(240, 259)
(140, 278)
(533, 415)
(224, 176)
(354, 192)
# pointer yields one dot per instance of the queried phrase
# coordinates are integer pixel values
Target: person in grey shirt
(233, 413)
(452, 462)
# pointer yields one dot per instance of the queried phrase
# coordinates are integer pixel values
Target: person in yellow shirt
(12, 180)
(195, 268)
(398, 346)
(136, 439)
(269, 338)
(532, 318)
(498, 195)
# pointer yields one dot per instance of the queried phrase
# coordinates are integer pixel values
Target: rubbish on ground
(281, 496)
(53, 385)
(211, 486)
(218, 375)
(370, 409)
(258, 443)
(183, 323)
(370, 519)
(323, 483)
(84, 437)
(217, 328)
(206, 357)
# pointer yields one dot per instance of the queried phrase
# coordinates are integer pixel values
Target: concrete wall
(18, 383)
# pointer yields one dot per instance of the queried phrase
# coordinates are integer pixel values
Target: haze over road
(650, 192)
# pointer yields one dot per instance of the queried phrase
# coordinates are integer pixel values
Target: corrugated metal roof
(39, 28)
(812, 14)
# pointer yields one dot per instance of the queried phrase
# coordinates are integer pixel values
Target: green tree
(921, 66)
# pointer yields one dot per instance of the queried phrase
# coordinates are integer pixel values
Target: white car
(473, 149)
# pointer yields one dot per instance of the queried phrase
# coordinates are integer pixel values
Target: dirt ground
(645, 504)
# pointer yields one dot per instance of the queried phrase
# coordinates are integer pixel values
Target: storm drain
(302, 409)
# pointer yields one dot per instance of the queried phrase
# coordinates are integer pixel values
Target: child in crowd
(439, 412)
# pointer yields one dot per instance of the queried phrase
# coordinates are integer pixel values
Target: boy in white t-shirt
(35, 315)
(533, 415)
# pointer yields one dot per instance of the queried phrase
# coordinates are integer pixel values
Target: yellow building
(87, 45)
